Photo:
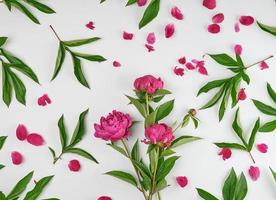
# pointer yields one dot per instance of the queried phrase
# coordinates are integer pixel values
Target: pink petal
(210, 4)
(242, 95)
(226, 153)
(35, 139)
(149, 47)
(237, 27)
(254, 173)
(90, 25)
(169, 30)
(262, 147)
(218, 18)
(246, 20)
(264, 65)
(74, 165)
(151, 38)
(141, 2)
(190, 66)
(21, 132)
(44, 100)
(127, 36)
(116, 64)
(176, 13)
(182, 60)
(104, 198)
(238, 49)
(182, 181)
(178, 71)
(202, 70)
(213, 28)
(16, 157)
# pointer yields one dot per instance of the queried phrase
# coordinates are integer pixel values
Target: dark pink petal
(127, 36)
(254, 173)
(238, 49)
(104, 198)
(218, 18)
(178, 71)
(182, 60)
(237, 27)
(74, 165)
(169, 30)
(264, 65)
(242, 95)
(182, 181)
(35, 139)
(141, 2)
(151, 38)
(262, 147)
(210, 4)
(225, 153)
(149, 47)
(202, 70)
(176, 13)
(116, 64)
(44, 100)
(90, 25)
(21, 132)
(190, 66)
(246, 20)
(213, 28)
(16, 157)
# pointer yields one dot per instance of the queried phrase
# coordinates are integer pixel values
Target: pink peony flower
(114, 127)
(104, 198)
(179, 71)
(169, 30)
(254, 173)
(237, 27)
(127, 36)
(148, 83)
(90, 25)
(242, 95)
(44, 100)
(116, 64)
(16, 157)
(74, 165)
(141, 2)
(218, 18)
(238, 49)
(262, 148)
(264, 65)
(246, 20)
(225, 153)
(160, 134)
(210, 4)
(35, 139)
(182, 181)
(150, 48)
(151, 38)
(176, 13)
(214, 28)
(21, 132)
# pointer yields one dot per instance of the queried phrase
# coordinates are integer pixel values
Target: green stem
(176, 128)
(58, 158)
(153, 183)
(55, 33)
(147, 104)
(252, 158)
(259, 62)
(159, 196)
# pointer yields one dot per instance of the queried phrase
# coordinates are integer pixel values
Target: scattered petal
(178, 71)
(151, 38)
(116, 64)
(210, 4)
(246, 20)
(35, 139)
(202, 70)
(262, 148)
(16, 157)
(225, 153)
(182, 60)
(242, 95)
(90, 25)
(127, 36)
(149, 47)
(213, 28)
(169, 30)
(218, 18)
(264, 65)
(190, 66)
(44, 100)
(21, 132)
(141, 2)
(182, 181)
(176, 13)
(104, 198)
(238, 49)
(237, 27)
(254, 173)
(74, 165)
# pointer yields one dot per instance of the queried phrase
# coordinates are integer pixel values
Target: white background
(37, 46)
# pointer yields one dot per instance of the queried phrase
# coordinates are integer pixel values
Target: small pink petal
(182, 181)
(237, 27)
(44, 100)
(90, 25)
(141, 2)
(178, 71)
(202, 70)
(74, 165)
(16, 157)
(35, 139)
(116, 64)
(182, 60)
(238, 49)
(176, 13)
(151, 38)
(190, 66)
(225, 153)
(262, 148)
(149, 47)
(242, 95)
(264, 65)
(21, 132)
(246, 20)
(169, 30)
(254, 173)
(127, 36)
(210, 4)
(104, 198)
(218, 18)
(214, 28)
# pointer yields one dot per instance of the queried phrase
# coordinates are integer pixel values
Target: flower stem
(57, 158)
(55, 33)
(271, 56)
(159, 196)
(153, 184)
(147, 104)
(252, 157)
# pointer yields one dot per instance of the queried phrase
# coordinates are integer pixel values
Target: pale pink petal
(214, 28)
(176, 13)
(262, 148)
(264, 65)
(210, 4)
(74, 165)
(16, 157)
(150, 48)
(116, 64)
(178, 71)
(182, 60)
(90, 25)
(237, 27)
(182, 181)
(151, 38)
(169, 30)
(21, 132)
(127, 36)
(202, 70)
(254, 173)
(246, 20)
(35, 139)
(141, 2)
(238, 49)
(218, 18)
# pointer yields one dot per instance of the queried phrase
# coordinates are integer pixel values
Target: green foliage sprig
(69, 147)
(10, 80)
(64, 46)
(267, 28)
(2, 142)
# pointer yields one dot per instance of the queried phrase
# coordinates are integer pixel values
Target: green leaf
(2, 196)
(161, 185)
(19, 88)
(241, 188)
(205, 195)
(245, 77)
(38, 189)
(135, 151)
(195, 121)
(268, 127)
(236, 125)
(271, 92)
(138, 105)
(2, 166)
(76, 43)
(165, 168)
(142, 168)
(164, 110)
(62, 132)
(234, 90)
(3, 40)
(40, 6)
(266, 28)
(20, 187)
(224, 59)
(59, 60)
(185, 120)
(2, 141)
(253, 134)
(230, 145)
(6, 85)
(224, 101)
(53, 153)
(183, 140)
(214, 99)
(130, 2)
(229, 186)
(78, 71)
(82, 153)
(167, 152)
(273, 173)
(119, 149)
(239, 60)
(150, 13)
(264, 108)
(161, 92)
(153, 158)
(211, 85)
(123, 176)
(94, 58)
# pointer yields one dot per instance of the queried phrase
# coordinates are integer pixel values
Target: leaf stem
(271, 56)
(58, 158)
(55, 33)
(252, 158)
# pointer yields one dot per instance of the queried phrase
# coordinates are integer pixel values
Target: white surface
(37, 46)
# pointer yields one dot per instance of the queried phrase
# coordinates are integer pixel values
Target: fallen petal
(214, 28)
(242, 95)
(262, 148)
(21, 132)
(254, 173)
(190, 66)
(16, 157)
(238, 49)
(246, 20)
(169, 30)
(218, 18)
(116, 64)
(149, 47)
(226, 153)
(176, 13)
(127, 36)
(210, 4)
(264, 65)
(237, 27)
(182, 181)
(35, 139)
(141, 2)
(202, 70)
(90, 25)
(104, 198)
(151, 38)
(178, 71)
(74, 165)
(182, 60)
